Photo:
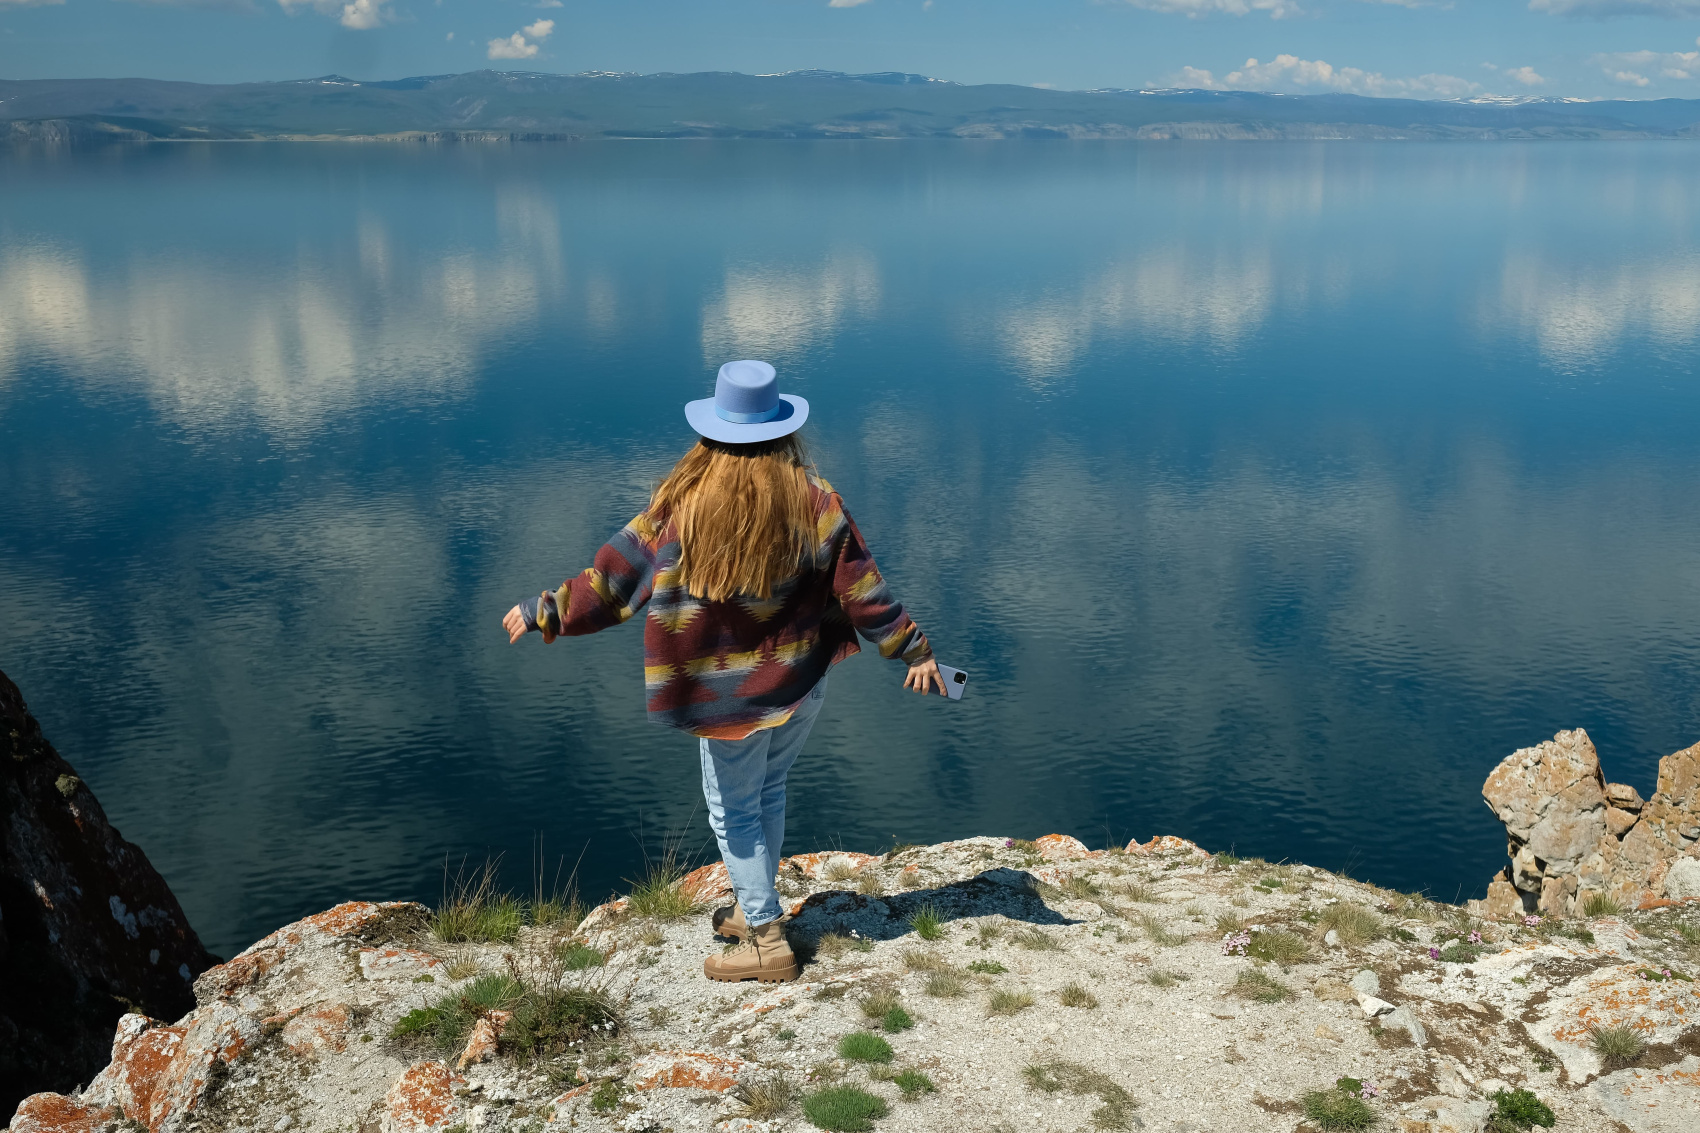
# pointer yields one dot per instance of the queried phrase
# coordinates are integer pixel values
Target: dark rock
(88, 929)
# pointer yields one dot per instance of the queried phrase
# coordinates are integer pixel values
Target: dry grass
(1158, 933)
(1080, 889)
(1035, 940)
(1008, 1002)
(1618, 1046)
(1278, 946)
(839, 869)
(1229, 923)
(1260, 987)
(879, 1003)
(1116, 1108)
(945, 985)
(1333, 990)
(922, 960)
(1600, 905)
(1352, 923)
(766, 1098)
(1074, 995)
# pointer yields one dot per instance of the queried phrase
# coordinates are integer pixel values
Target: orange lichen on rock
(685, 1069)
(709, 883)
(1060, 847)
(422, 1099)
(142, 1053)
(1166, 844)
(486, 1036)
(319, 1029)
(811, 865)
(397, 963)
(55, 1113)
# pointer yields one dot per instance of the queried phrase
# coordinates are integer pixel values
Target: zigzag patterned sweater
(723, 670)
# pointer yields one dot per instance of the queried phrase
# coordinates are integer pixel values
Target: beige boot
(763, 955)
(729, 922)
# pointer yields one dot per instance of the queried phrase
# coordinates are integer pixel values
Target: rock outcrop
(1573, 836)
(1012, 985)
(88, 929)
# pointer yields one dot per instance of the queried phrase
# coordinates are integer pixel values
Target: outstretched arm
(603, 595)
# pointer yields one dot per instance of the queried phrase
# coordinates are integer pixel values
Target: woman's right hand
(514, 623)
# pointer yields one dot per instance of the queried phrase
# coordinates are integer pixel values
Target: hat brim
(793, 411)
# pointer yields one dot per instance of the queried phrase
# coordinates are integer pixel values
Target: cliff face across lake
(983, 984)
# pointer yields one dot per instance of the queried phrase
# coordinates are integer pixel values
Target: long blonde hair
(743, 515)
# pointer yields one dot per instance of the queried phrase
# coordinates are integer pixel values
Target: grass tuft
(1338, 1109)
(986, 967)
(927, 923)
(1116, 1108)
(844, 1109)
(1260, 987)
(766, 1098)
(839, 869)
(988, 932)
(914, 1083)
(548, 1020)
(474, 910)
(896, 1020)
(1518, 1110)
(945, 985)
(1008, 1002)
(1278, 947)
(1600, 905)
(1353, 923)
(920, 960)
(1074, 995)
(864, 1046)
(1229, 924)
(1080, 889)
(1036, 940)
(657, 893)
(1619, 1046)
(877, 1003)
(1159, 935)
(576, 956)
(1160, 978)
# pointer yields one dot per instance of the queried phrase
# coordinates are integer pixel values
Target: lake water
(1270, 493)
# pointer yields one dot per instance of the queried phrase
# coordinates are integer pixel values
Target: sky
(1405, 48)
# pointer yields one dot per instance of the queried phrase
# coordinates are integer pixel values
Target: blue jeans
(744, 783)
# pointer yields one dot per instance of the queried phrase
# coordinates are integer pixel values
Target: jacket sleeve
(867, 600)
(607, 593)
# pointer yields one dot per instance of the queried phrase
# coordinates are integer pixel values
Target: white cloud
(1629, 66)
(1605, 9)
(846, 3)
(1194, 9)
(28, 3)
(523, 43)
(549, 3)
(361, 15)
(1290, 72)
(450, 38)
(1526, 76)
(513, 47)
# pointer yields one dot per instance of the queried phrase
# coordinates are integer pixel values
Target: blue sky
(1587, 48)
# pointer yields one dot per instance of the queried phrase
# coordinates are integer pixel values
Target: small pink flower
(1531, 920)
(1370, 1090)
(1009, 843)
(1434, 953)
(1475, 938)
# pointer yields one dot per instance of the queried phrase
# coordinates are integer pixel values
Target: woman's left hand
(923, 673)
(514, 623)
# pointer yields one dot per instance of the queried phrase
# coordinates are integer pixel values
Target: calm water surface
(1271, 493)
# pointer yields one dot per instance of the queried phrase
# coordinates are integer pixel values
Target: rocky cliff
(1578, 842)
(987, 984)
(88, 929)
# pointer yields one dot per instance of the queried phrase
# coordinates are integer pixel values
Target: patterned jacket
(723, 670)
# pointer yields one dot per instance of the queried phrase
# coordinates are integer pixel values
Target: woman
(757, 582)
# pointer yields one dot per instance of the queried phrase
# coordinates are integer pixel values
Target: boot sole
(779, 977)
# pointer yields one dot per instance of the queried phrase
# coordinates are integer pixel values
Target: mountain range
(797, 104)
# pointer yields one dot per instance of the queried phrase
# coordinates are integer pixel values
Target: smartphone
(955, 680)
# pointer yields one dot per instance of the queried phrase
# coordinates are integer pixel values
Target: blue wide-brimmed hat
(747, 406)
